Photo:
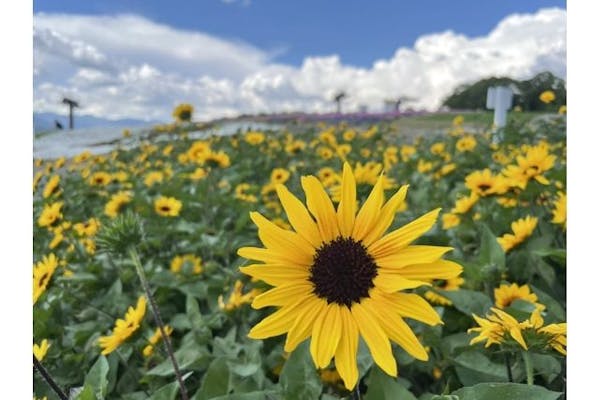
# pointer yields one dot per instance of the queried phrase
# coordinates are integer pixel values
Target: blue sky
(139, 59)
(360, 31)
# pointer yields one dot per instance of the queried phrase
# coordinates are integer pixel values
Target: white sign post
(499, 99)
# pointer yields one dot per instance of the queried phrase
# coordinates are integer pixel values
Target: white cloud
(128, 66)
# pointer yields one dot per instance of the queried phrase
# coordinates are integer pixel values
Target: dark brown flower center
(343, 271)
(484, 187)
(165, 208)
(43, 280)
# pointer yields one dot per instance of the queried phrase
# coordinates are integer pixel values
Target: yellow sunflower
(167, 206)
(217, 159)
(254, 138)
(116, 203)
(522, 229)
(337, 277)
(241, 193)
(187, 259)
(100, 178)
(42, 273)
(51, 186)
(198, 151)
(493, 329)
(87, 228)
(50, 214)
(124, 328)
(279, 175)
(466, 143)
(450, 220)
(154, 339)
(560, 210)
(198, 174)
(506, 294)
(547, 96)
(40, 351)
(406, 151)
(536, 161)
(153, 177)
(484, 183)
(237, 298)
(183, 112)
(465, 203)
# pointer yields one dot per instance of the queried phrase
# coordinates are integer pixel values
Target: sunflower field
(323, 261)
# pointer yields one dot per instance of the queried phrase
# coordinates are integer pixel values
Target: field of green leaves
(169, 217)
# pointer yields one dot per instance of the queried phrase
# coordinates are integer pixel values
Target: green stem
(157, 318)
(508, 369)
(528, 367)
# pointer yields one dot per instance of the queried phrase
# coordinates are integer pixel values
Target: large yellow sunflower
(338, 277)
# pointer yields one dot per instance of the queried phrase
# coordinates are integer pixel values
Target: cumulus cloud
(128, 66)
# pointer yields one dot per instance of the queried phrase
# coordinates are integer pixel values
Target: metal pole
(70, 116)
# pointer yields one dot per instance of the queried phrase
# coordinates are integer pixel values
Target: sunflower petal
(441, 269)
(321, 207)
(298, 216)
(402, 237)
(282, 295)
(369, 212)
(408, 305)
(396, 329)
(386, 217)
(303, 325)
(416, 254)
(276, 275)
(345, 354)
(346, 211)
(390, 283)
(375, 337)
(515, 332)
(326, 333)
(267, 256)
(279, 322)
(283, 241)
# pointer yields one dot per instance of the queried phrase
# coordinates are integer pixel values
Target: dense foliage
(526, 93)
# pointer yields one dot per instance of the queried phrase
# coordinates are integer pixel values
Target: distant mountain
(46, 122)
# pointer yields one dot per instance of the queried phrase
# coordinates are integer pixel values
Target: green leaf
(491, 255)
(216, 380)
(473, 367)
(468, 301)
(503, 391)
(96, 380)
(520, 309)
(167, 392)
(299, 379)
(552, 306)
(546, 272)
(546, 365)
(87, 393)
(558, 254)
(383, 387)
(186, 357)
(260, 395)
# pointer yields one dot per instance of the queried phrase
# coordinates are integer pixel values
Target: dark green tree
(527, 92)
